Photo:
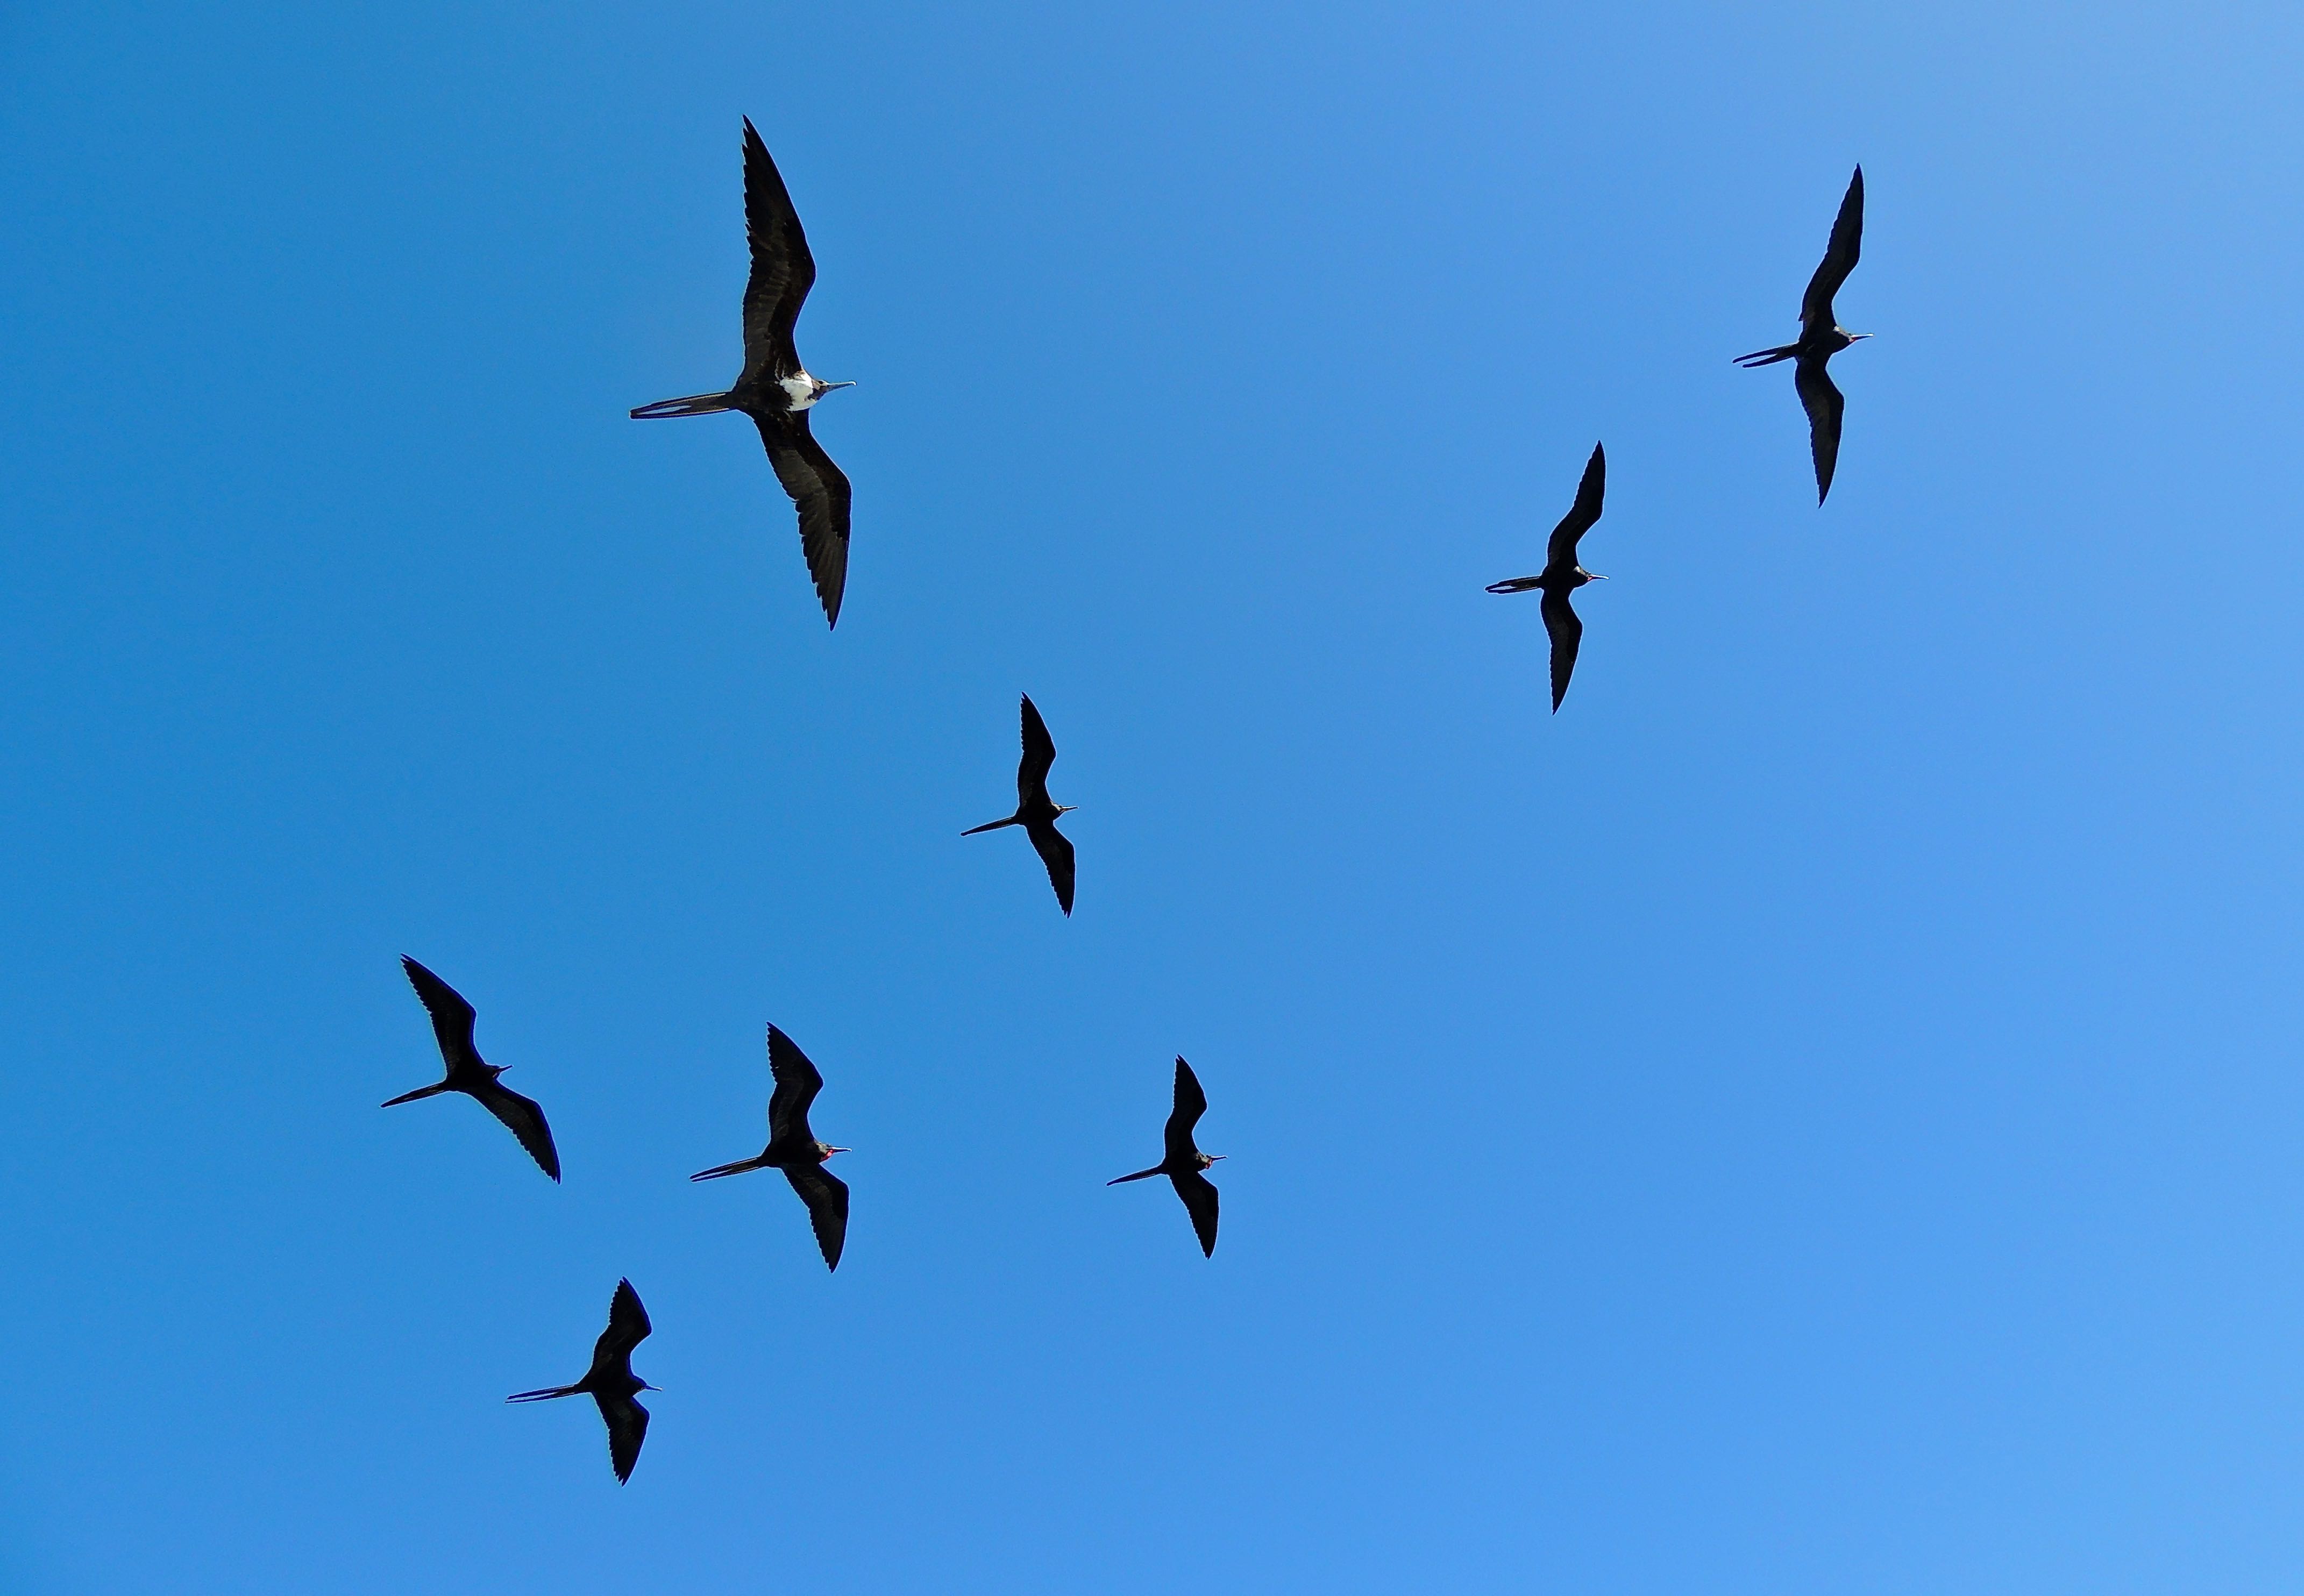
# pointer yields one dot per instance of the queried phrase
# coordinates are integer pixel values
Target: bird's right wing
(1192, 1102)
(1824, 404)
(525, 1120)
(1840, 257)
(827, 1196)
(783, 270)
(627, 1326)
(1201, 1201)
(797, 1084)
(1039, 754)
(820, 493)
(1560, 548)
(627, 1422)
(1055, 851)
(1567, 636)
(451, 1017)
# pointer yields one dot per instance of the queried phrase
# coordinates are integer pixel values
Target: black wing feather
(797, 1084)
(820, 493)
(783, 270)
(1201, 1201)
(1192, 1102)
(524, 1120)
(451, 1017)
(1560, 549)
(1824, 404)
(1055, 851)
(1039, 754)
(1567, 632)
(827, 1196)
(628, 1327)
(1840, 258)
(627, 1422)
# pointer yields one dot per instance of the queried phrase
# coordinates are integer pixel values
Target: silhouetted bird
(1823, 337)
(611, 1382)
(452, 1023)
(1561, 576)
(1034, 811)
(773, 389)
(793, 1148)
(1185, 1160)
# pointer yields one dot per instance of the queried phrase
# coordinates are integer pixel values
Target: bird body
(774, 389)
(793, 1147)
(1183, 1162)
(452, 1019)
(1035, 811)
(1822, 337)
(610, 1381)
(1563, 575)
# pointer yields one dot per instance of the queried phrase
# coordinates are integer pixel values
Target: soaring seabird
(1185, 1161)
(1034, 812)
(611, 1382)
(793, 1148)
(1561, 576)
(1822, 336)
(773, 389)
(452, 1025)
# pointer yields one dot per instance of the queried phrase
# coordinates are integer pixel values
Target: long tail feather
(431, 1091)
(1140, 1175)
(739, 1167)
(991, 825)
(1767, 357)
(695, 404)
(545, 1395)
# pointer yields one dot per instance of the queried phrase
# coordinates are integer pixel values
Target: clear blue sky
(1820, 1115)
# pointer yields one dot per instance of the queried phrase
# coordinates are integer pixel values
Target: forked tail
(695, 404)
(1140, 1175)
(1758, 357)
(738, 1168)
(546, 1394)
(991, 825)
(431, 1091)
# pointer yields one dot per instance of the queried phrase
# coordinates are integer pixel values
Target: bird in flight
(468, 1073)
(793, 1148)
(1034, 810)
(1822, 337)
(773, 389)
(1561, 576)
(611, 1382)
(1185, 1160)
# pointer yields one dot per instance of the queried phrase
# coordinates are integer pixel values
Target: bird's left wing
(451, 1017)
(1824, 404)
(798, 1081)
(1039, 754)
(1192, 1102)
(819, 491)
(1567, 636)
(783, 269)
(627, 1422)
(1055, 851)
(827, 1196)
(628, 1325)
(525, 1120)
(1201, 1201)
(1840, 257)
(1560, 549)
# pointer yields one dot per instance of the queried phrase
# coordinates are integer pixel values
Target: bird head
(1066, 808)
(828, 1151)
(1590, 576)
(823, 387)
(1211, 1157)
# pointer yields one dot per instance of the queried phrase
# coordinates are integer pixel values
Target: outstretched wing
(827, 1196)
(627, 1422)
(524, 1120)
(1567, 636)
(1055, 851)
(1840, 257)
(1192, 1102)
(1824, 405)
(628, 1327)
(1201, 1202)
(1561, 550)
(819, 491)
(451, 1017)
(797, 1084)
(783, 270)
(1040, 753)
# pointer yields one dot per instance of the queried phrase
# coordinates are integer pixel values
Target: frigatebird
(468, 1073)
(1822, 336)
(1563, 576)
(773, 389)
(611, 1382)
(1185, 1160)
(793, 1148)
(1034, 810)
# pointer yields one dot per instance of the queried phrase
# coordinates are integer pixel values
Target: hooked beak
(1853, 337)
(1066, 808)
(828, 387)
(840, 1150)
(1216, 1158)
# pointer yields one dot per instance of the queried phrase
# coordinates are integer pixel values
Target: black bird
(1034, 810)
(793, 1148)
(611, 1382)
(1185, 1160)
(1822, 336)
(468, 1073)
(773, 389)
(1561, 576)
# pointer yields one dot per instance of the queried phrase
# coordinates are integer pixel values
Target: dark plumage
(1034, 812)
(1184, 1161)
(773, 389)
(1822, 337)
(610, 1381)
(1563, 576)
(452, 1024)
(793, 1147)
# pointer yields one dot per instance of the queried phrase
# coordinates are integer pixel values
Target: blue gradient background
(1820, 1115)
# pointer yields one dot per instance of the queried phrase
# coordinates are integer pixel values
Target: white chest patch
(801, 389)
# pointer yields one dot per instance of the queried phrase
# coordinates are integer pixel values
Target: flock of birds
(777, 392)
